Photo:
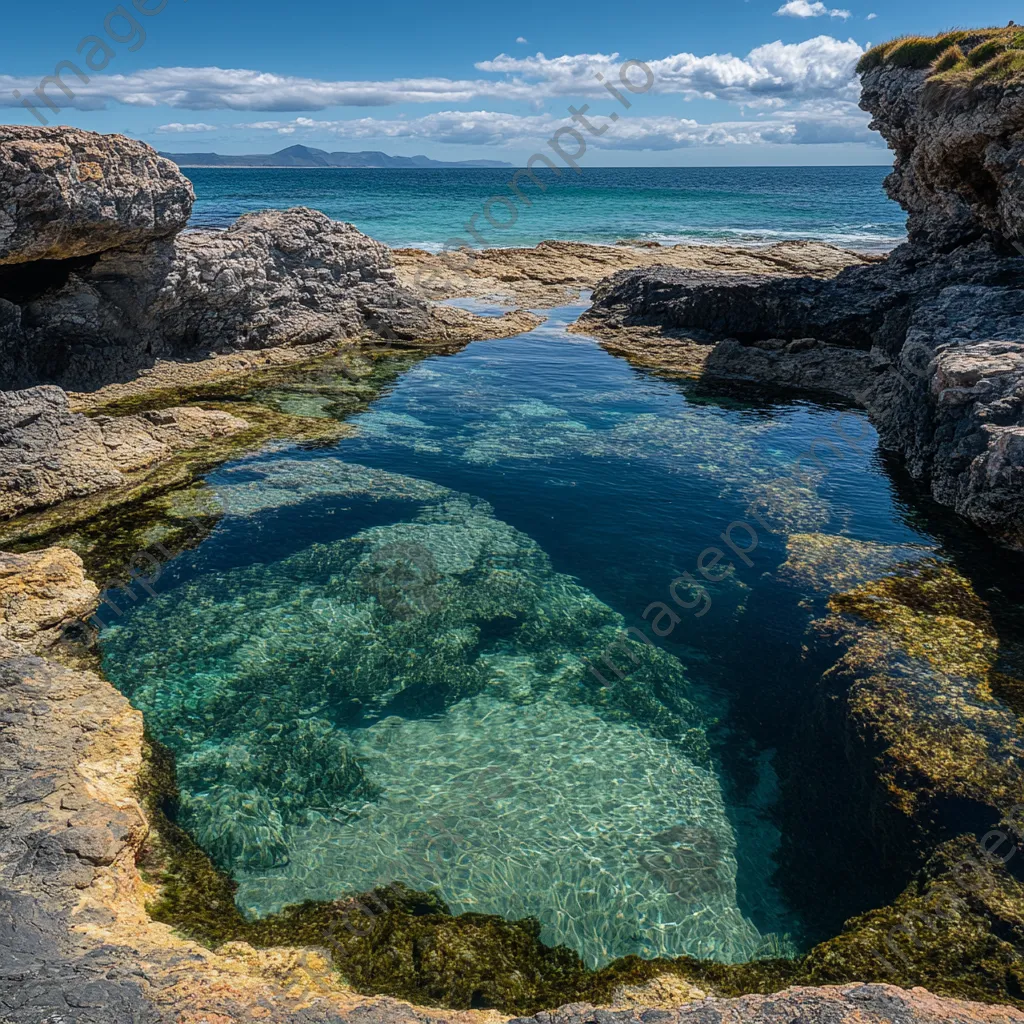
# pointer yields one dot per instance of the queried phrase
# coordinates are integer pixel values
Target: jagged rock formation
(938, 328)
(70, 193)
(101, 290)
(951, 110)
(275, 278)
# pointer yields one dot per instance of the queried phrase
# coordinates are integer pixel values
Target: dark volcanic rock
(275, 278)
(803, 363)
(70, 193)
(861, 307)
(959, 169)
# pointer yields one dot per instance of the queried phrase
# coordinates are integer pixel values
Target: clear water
(378, 666)
(739, 205)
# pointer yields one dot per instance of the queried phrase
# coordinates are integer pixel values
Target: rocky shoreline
(125, 346)
(929, 341)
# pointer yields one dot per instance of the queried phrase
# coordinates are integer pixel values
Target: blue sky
(734, 81)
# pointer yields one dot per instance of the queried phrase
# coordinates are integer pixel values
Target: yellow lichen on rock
(661, 993)
(932, 612)
(40, 593)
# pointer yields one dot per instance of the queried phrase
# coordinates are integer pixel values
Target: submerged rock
(417, 700)
(80, 942)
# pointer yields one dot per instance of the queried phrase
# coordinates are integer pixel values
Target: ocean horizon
(427, 208)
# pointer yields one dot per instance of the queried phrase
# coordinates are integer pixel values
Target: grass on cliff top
(961, 57)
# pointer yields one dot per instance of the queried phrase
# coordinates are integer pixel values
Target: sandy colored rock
(71, 193)
(665, 992)
(554, 273)
(665, 350)
(41, 592)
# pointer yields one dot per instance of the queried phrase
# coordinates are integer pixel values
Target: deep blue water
(747, 205)
(423, 599)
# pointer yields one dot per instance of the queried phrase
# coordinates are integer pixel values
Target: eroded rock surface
(49, 454)
(70, 193)
(41, 593)
(292, 277)
(959, 169)
(554, 273)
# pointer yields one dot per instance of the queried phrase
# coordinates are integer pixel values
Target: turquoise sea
(748, 205)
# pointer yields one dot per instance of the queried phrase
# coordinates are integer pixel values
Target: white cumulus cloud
(817, 123)
(803, 9)
(816, 67)
(176, 127)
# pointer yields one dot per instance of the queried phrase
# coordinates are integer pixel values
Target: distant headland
(306, 156)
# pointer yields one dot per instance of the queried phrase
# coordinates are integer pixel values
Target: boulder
(70, 193)
(41, 592)
(274, 278)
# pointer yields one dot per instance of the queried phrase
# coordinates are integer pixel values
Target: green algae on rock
(930, 759)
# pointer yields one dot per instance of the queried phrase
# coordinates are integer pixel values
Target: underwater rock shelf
(500, 634)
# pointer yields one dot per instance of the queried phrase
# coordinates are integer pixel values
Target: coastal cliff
(930, 341)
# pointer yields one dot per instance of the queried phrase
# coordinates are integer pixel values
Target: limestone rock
(554, 272)
(49, 454)
(41, 592)
(70, 193)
